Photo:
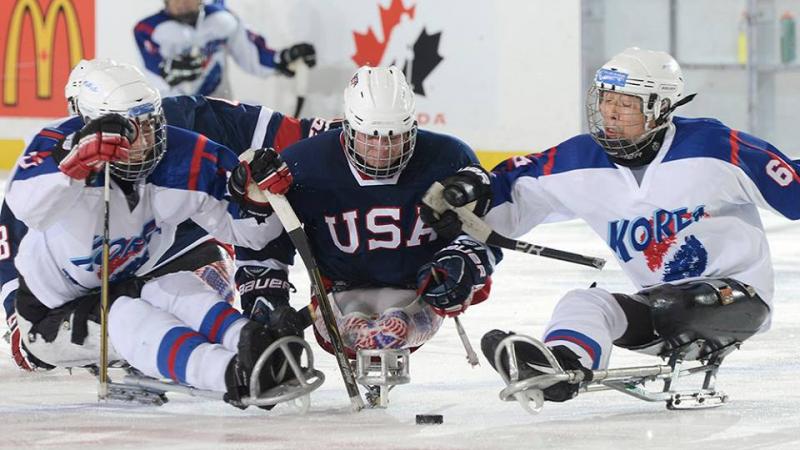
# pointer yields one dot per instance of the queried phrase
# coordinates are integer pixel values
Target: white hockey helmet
(380, 127)
(655, 79)
(122, 89)
(76, 76)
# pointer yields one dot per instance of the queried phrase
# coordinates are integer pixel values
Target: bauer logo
(43, 41)
(611, 77)
(398, 41)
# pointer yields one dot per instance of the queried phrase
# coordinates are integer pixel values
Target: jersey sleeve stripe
(288, 133)
(143, 27)
(262, 124)
(734, 147)
(771, 154)
(52, 134)
(197, 160)
(551, 161)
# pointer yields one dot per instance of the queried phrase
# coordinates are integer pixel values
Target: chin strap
(665, 115)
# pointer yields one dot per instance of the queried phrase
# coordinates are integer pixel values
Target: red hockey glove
(19, 354)
(105, 139)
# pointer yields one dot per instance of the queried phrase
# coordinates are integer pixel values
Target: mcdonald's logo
(44, 39)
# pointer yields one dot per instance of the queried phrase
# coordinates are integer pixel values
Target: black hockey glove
(447, 283)
(266, 170)
(287, 56)
(265, 299)
(186, 67)
(469, 187)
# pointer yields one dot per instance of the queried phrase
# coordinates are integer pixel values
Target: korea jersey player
(165, 320)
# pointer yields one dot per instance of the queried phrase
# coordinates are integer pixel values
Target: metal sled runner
(631, 381)
(139, 388)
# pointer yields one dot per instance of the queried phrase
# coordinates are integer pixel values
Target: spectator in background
(184, 49)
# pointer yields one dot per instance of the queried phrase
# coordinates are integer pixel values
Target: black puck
(430, 419)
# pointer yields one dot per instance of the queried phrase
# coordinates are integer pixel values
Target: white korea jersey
(60, 257)
(694, 214)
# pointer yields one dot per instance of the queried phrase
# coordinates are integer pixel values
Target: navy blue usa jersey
(367, 232)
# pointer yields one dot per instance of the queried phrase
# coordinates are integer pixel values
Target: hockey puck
(430, 419)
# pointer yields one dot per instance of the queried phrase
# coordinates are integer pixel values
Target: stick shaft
(480, 230)
(102, 392)
(295, 231)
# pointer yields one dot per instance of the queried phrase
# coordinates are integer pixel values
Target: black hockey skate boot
(253, 340)
(532, 362)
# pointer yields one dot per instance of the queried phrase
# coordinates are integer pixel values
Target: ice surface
(59, 410)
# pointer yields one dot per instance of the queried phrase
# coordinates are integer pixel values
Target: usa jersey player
(357, 192)
(184, 49)
(674, 198)
(166, 319)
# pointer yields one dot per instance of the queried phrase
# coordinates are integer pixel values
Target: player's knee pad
(718, 312)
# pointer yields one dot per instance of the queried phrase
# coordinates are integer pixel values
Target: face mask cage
(379, 156)
(610, 136)
(147, 149)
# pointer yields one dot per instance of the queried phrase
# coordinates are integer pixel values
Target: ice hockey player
(676, 201)
(13, 230)
(184, 49)
(166, 319)
(235, 125)
(357, 191)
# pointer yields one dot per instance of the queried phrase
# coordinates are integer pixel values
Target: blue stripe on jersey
(143, 33)
(212, 80)
(773, 173)
(217, 321)
(213, 8)
(588, 344)
(37, 158)
(174, 351)
(194, 162)
(11, 232)
(579, 152)
(266, 55)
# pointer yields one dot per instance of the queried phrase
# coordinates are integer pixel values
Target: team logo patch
(611, 77)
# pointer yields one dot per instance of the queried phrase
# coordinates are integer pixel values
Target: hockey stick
(295, 231)
(472, 357)
(480, 230)
(102, 387)
(300, 69)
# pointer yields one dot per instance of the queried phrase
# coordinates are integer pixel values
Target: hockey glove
(105, 139)
(469, 187)
(287, 56)
(448, 282)
(186, 67)
(265, 299)
(268, 171)
(18, 352)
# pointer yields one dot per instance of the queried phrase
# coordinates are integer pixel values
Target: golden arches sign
(44, 24)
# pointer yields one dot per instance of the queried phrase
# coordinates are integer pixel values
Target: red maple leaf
(369, 49)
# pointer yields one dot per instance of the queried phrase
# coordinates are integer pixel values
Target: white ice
(60, 410)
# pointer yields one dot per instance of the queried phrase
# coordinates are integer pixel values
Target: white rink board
(58, 410)
(509, 81)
